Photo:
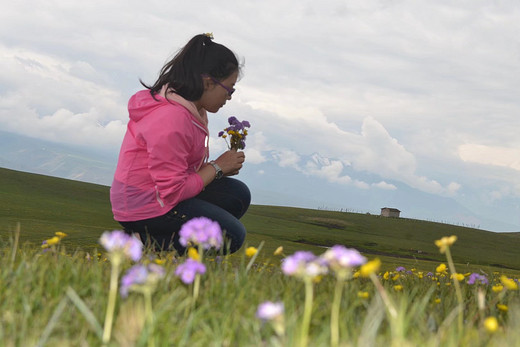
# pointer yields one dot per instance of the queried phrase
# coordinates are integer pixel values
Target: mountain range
(270, 183)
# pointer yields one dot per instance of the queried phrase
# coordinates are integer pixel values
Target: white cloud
(384, 185)
(490, 155)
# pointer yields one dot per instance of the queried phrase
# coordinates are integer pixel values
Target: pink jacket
(164, 146)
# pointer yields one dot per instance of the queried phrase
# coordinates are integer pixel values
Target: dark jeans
(224, 201)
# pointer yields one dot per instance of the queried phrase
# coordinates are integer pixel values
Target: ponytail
(200, 56)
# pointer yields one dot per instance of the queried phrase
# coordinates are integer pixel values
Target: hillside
(43, 205)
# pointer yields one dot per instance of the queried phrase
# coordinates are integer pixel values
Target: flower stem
(334, 315)
(389, 306)
(112, 296)
(306, 312)
(457, 287)
(149, 316)
(196, 288)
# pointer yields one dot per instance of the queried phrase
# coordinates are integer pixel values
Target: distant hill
(43, 205)
(44, 157)
(270, 183)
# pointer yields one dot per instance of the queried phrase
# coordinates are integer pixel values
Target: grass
(43, 205)
(59, 297)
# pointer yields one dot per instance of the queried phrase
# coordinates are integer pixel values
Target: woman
(163, 177)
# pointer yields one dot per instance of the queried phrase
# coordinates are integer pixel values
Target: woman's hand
(231, 162)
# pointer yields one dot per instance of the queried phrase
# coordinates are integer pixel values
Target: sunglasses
(229, 90)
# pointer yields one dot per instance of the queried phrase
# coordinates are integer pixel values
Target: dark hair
(200, 56)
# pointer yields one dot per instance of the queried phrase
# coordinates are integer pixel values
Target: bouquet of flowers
(237, 133)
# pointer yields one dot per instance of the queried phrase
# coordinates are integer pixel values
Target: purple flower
(303, 264)
(339, 256)
(400, 269)
(270, 310)
(430, 274)
(135, 275)
(119, 241)
(233, 120)
(201, 231)
(189, 269)
(246, 124)
(220, 133)
(474, 277)
(139, 275)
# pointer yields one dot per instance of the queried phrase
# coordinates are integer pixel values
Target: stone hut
(390, 212)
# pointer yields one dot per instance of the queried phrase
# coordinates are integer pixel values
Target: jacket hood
(143, 103)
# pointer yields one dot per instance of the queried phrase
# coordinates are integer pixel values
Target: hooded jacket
(165, 144)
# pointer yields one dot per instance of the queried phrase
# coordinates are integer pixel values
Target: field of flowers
(126, 295)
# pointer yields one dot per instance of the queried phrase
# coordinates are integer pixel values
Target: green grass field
(43, 205)
(60, 296)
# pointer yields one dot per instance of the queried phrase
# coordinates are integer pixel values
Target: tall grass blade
(87, 313)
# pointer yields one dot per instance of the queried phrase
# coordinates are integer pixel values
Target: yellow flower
(445, 242)
(502, 307)
(398, 287)
(278, 251)
(497, 288)
(458, 277)
(193, 254)
(363, 295)
(491, 324)
(60, 234)
(53, 241)
(447, 284)
(437, 301)
(159, 261)
(420, 275)
(356, 274)
(224, 136)
(508, 283)
(441, 268)
(386, 275)
(396, 277)
(370, 267)
(250, 251)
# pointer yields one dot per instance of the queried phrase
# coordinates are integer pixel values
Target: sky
(388, 93)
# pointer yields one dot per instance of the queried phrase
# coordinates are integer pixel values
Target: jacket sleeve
(170, 138)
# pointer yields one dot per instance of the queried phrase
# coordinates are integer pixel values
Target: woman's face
(216, 93)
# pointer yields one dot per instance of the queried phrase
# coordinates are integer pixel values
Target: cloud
(56, 100)
(490, 155)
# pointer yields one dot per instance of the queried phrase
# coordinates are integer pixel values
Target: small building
(390, 212)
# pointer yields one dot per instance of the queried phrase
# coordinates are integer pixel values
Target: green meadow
(59, 297)
(43, 205)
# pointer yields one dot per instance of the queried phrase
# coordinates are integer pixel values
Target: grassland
(43, 205)
(60, 296)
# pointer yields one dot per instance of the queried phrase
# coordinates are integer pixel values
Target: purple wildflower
(135, 275)
(140, 274)
(119, 241)
(339, 256)
(201, 231)
(400, 269)
(189, 269)
(303, 264)
(270, 310)
(237, 131)
(474, 277)
(430, 274)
